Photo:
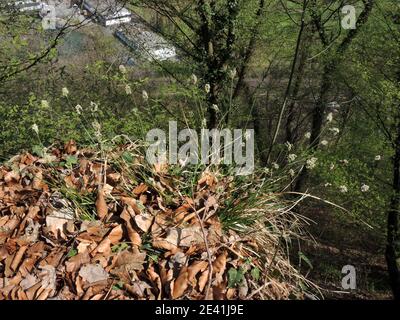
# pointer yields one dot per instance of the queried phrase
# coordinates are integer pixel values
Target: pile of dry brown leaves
(78, 225)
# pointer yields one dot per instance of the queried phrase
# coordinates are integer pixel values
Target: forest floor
(339, 243)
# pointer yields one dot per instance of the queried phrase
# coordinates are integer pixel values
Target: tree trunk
(392, 247)
(290, 131)
(317, 120)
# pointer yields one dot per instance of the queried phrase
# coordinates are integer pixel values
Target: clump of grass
(250, 207)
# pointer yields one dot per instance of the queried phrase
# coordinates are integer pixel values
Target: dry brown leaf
(93, 273)
(203, 280)
(137, 288)
(116, 234)
(70, 147)
(191, 236)
(181, 283)
(75, 262)
(155, 278)
(207, 178)
(103, 247)
(114, 177)
(101, 204)
(181, 212)
(219, 264)
(219, 292)
(11, 176)
(38, 182)
(144, 221)
(170, 243)
(195, 268)
(142, 188)
(18, 258)
(57, 224)
(134, 237)
(177, 259)
(48, 277)
(131, 260)
(132, 203)
(28, 282)
(31, 292)
(231, 293)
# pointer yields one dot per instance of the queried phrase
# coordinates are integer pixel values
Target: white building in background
(27, 5)
(109, 12)
(146, 43)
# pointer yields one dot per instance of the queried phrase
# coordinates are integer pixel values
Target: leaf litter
(113, 229)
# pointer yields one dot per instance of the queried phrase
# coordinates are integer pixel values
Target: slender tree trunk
(393, 236)
(289, 86)
(317, 121)
(290, 131)
(249, 50)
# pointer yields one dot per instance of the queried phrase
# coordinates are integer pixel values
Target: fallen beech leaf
(18, 258)
(230, 293)
(31, 231)
(28, 282)
(3, 252)
(83, 246)
(203, 279)
(207, 178)
(115, 235)
(37, 182)
(48, 276)
(107, 189)
(88, 294)
(156, 280)
(59, 214)
(144, 221)
(93, 273)
(114, 177)
(181, 212)
(101, 204)
(170, 242)
(11, 176)
(22, 295)
(132, 203)
(54, 257)
(181, 283)
(219, 264)
(137, 288)
(97, 297)
(211, 203)
(131, 260)
(134, 237)
(161, 167)
(140, 189)
(27, 159)
(56, 223)
(103, 247)
(70, 147)
(7, 270)
(191, 236)
(31, 292)
(178, 259)
(8, 228)
(195, 268)
(219, 292)
(74, 263)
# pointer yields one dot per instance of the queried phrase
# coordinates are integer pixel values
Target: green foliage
(235, 277)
